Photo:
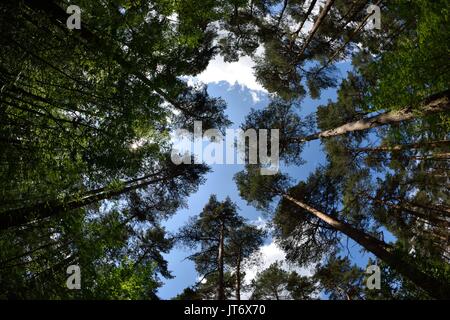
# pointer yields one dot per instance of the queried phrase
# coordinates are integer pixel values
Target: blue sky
(240, 98)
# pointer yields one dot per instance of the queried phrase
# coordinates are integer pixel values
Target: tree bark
(21, 216)
(220, 287)
(441, 156)
(410, 210)
(434, 104)
(409, 146)
(59, 16)
(238, 277)
(316, 26)
(300, 27)
(382, 250)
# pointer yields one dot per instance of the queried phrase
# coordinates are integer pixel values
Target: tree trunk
(316, 26)
(59, 16)
(434, 104)
(275, 292)
(439, 209)
(21, 216)
(382, 250)
(300, 27)
(238, 277)
(220, 287)
(280, 18)
(409, 146)
(410, 210)
(441, 156)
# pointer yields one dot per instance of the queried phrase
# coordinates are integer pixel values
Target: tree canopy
(86, 123)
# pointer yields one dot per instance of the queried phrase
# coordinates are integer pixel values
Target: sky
(235, 83)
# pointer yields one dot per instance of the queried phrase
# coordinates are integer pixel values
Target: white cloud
(240, 72)
(260, 223)
(255, 96)
(271, 253)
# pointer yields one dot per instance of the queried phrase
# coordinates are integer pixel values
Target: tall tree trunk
(382, 250)
(316, 26)
(440, 156)
(439, 209)
(220, 287)
(432, 219)
(58, 16)
(434, 104)
(238, 277)
(300, 27)
(409, 146)
(21, 216)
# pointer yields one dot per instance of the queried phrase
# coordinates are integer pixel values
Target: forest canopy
(86, 122)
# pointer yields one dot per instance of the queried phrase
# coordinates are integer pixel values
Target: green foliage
(260, 190)
(127, 281)
(406, 75)
(85, 119)
(275, 283)
(339, 279)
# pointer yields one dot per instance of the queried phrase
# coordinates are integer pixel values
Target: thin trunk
(440, 156)
(351, 13)
(58, 16)
(20, 216)
(29, 252)
(343, 46)
(238, 277)
(434, 104)
(282, 13)
(442, 210)
(220, 287)
(275, 291)
(410, 210)
(316, 26)
(409, 146)
(295, 34)
(382, 250)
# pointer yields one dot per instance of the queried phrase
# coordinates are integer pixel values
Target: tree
(393, 287)
(211, 230)
(243, 242)
(294, 57)
(295, 212)
(85, 119)
(275, 283)
(340, 279)
(72, 137)
(293, 137)
(118, 260)
(360, 191)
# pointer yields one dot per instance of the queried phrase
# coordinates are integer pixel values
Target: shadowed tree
(314, 204)
(243, 242)
(340, 279)
(275, 283)
(210, 232)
